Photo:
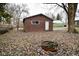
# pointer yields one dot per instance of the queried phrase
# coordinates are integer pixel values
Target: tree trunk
(17, 24)
(71, 17)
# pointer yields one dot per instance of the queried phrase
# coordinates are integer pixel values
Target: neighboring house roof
(76, 20)
(37, 15)
(57, 21)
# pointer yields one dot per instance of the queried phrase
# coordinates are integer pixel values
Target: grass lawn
(77, 28)
(58, 25)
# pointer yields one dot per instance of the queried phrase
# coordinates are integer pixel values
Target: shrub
(49, 46)
(10, 28)
(3, 30)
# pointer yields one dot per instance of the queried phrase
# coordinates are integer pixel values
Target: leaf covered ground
(19, 43)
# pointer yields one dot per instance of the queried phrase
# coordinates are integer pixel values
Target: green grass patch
(58, 25)
(77, 28)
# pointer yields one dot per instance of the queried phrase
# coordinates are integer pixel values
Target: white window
(35, 22)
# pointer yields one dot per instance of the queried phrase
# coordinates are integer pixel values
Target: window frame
(34, 21)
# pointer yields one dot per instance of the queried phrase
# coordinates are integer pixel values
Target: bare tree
(16, 11)
(71, 16)
(70, 10)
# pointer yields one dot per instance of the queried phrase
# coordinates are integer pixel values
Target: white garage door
(46, 25)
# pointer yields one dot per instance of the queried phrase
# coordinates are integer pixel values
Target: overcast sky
(37, 8)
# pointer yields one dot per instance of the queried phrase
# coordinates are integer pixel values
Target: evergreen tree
(58, 17)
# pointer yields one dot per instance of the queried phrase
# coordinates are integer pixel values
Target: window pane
(35, 22)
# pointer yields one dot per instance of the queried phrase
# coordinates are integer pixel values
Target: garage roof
(38, 15)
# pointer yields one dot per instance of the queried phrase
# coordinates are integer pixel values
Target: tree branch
(64, 7)
(59, 5)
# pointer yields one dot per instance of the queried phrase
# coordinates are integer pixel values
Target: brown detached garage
(37, 23)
